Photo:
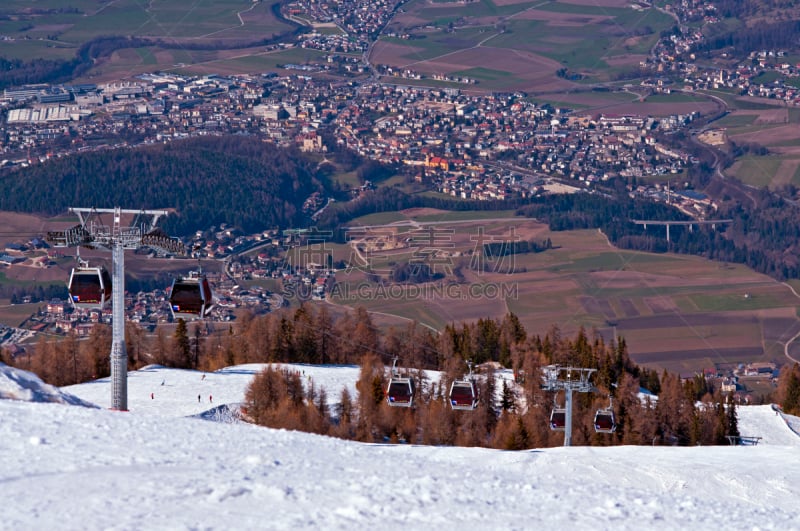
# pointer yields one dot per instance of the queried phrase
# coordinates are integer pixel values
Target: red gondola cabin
(191, 298)
(89, 287)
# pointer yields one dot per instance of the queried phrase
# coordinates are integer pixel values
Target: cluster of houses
(490, 146)
(744, 382)
(337, 43)
(455, 140)
(361, 19)
(767, 74)
(151, 308)
(408, 73)
(438, 134)
(764, 74)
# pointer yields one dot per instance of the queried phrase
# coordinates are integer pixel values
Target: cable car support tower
(568, 379)
(91, 233)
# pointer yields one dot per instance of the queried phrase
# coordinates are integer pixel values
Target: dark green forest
(237, 180)
(774, 36)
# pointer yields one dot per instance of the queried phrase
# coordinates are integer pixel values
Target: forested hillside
(510, 416)
(238, 180)
(765, 237)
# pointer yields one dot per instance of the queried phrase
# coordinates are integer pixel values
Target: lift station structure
(567, 379)
(93, 234)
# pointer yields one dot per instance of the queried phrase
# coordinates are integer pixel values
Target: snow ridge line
(789, 425)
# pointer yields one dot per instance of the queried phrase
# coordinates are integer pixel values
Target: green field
(55, 30)
(257, 61)
(429, 44)
(146, 55)
(740, 301)
(757, 171)
(675, 97)
(427, 215)
(563, 104)
(381, 218)
(348, 178)
(465, 215)
(593, 42)
(580, 37)
(328, 30)
(482, 8)
(767, 77)
(735, 102)
(483, 74)
(736, 120)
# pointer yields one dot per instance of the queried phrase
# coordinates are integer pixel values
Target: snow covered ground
(71, 467)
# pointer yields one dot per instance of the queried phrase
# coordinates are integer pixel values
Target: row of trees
(788, 392)
(36, 292)
(778, 35)
(511, 414)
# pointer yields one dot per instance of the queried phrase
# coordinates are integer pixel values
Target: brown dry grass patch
(625, 60)
(661, 304)
(509, 2)
(761, 101)
(562, 19)
(773, 116)
(513, 61)
(599, 3)
(661, 109)
(390, 53)
(785, 173)
(770, 135)
(421, 211)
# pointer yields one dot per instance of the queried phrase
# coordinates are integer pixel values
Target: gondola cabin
(89, 287)
(400, 392)
(558, 419)
(191, 298)
(463, 395)
(604, 421)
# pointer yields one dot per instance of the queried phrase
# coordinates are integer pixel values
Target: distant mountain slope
(238, 180)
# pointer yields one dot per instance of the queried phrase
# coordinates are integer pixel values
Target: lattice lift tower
(568, 379)
(91, 233)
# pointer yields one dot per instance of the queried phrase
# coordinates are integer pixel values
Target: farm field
(526, 43)
(775, 128)
(54, 31)
(677, 312)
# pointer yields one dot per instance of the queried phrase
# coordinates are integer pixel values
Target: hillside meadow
(678, 312)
